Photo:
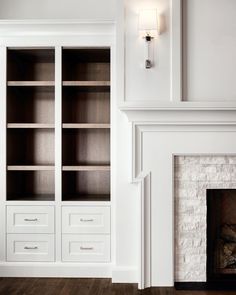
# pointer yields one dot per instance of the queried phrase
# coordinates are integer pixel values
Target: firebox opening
(221, 235)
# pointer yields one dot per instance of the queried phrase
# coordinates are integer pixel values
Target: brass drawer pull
(30, 248)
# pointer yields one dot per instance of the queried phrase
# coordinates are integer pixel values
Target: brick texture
(193, 175)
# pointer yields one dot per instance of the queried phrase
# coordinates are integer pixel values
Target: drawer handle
(86, 220)
(30, 248)
(86, 248)
(29, 219)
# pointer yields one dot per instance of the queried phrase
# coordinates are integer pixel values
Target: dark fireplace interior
(221, 237)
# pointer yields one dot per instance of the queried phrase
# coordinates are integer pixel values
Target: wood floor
(35, 286)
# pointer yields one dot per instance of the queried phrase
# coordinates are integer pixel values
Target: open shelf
(82, 147)
(31, 168)
(25, 66)
(85, 126)
(86, 198)
(86, 185)
(30, 186)
(85, 107)
(29, 147)
(81, 65)
(86, 168)
(30, 83)
(30, 126)
(86, 83)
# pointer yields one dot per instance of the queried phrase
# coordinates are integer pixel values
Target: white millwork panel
(30, 219)
(56, 107)
(94, 220)
(30, 247)
(3, 151)
(86, 248)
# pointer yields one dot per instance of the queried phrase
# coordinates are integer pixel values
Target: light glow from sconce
(148, 28)
(148, 24)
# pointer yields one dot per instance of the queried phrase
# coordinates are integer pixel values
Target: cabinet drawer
(30, 247)
(30, 219)
(86, 220)
(86, 248)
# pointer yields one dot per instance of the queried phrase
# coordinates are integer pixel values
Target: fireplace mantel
(157, 137)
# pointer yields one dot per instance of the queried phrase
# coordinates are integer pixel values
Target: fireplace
(205, 222)
(221, 238)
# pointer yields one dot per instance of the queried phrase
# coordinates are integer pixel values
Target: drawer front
(30, 219)
(86, 220)
(86, 248)
(30, 247)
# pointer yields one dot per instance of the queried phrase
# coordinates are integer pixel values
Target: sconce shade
(148, 21)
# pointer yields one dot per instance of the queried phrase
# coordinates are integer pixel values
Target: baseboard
(124, 275)
(56, 269)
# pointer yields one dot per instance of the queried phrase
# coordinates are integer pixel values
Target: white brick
(193, 176)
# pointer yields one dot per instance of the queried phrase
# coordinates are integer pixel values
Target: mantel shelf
(86, 83)
(30, 168)
(30, 125)
(85, 126)
(86, 168)
(30, 83)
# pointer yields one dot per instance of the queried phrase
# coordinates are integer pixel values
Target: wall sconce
(148, 28)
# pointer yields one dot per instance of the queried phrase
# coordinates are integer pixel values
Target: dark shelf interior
(86, 64)
(30, 185)
(86, 185)
(30, 65)
(30, 147)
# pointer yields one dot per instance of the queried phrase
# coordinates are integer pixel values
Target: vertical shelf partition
(86, 124)
(30, 124)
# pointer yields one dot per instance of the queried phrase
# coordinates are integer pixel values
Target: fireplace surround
(159, 140)
(205, 218)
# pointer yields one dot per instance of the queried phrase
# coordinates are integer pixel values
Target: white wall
(210, 50)
(57, 9)
(142, 84)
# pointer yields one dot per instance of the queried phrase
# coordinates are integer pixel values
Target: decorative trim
(18, 28)
(139, 175)
(66, 270)
(124, 275)
(178, 106)
(176, 101)
(175, 54)
(176, 50)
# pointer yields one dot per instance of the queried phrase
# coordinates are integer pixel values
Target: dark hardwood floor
(35, 286)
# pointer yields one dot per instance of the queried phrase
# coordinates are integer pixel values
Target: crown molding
(39, 27)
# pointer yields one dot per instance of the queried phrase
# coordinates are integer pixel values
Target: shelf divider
(86, 168)
(30, 168)
(86, 125)
(30, 125)
(86, 83)
(30, 83)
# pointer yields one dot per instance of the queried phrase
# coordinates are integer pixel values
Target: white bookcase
(56, 199)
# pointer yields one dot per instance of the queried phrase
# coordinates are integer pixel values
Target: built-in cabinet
(46, 129)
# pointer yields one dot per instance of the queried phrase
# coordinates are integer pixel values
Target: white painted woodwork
(30, 219)
(69, 9)
(85, 248)
(30, 247)
(86, 220)
(209, 56)
(147, 84)
(30, 230)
